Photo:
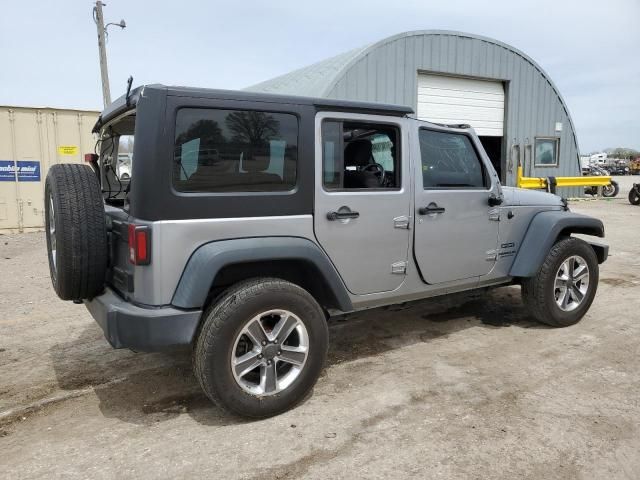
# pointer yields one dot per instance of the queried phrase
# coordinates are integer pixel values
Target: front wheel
(634, 196)
(612, 190)
(563, 289)
(261, 347)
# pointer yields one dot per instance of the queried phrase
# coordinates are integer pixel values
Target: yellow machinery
(550, 183)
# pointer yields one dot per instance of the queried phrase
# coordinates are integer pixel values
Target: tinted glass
(234, 151)
(332, 154)
(359, 155)
(449, 161)
(546, 149)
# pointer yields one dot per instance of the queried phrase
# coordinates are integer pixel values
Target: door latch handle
(342, 215)
(430, 209)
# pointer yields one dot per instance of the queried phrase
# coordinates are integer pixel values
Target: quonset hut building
(454, 77)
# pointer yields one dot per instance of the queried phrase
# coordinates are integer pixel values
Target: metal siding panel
(410, 72)
(390, 72)
(9, 213)
(361, 80)
(381, 87)
(372, 78)
(443, 64)
(436, 52)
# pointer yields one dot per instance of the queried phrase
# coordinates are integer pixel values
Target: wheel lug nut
(264, 342)
(268, 362)
(260, 356)
(279, 352)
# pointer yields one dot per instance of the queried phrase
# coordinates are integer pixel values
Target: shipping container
(31, 140)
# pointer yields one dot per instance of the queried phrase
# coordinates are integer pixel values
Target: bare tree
(255, 128)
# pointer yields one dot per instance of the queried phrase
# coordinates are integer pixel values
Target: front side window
(234, 151)
(359, 155)
(449, 160)
(546, 152)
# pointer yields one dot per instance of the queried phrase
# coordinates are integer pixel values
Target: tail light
(139, 244)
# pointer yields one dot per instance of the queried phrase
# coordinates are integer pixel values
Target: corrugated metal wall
(31, 140)
(388, 72)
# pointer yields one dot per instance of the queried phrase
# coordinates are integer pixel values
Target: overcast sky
(49, 55)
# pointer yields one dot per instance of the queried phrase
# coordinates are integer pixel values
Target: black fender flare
(210, 258)
(544, 230)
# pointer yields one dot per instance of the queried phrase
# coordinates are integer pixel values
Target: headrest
(257, 160)
(357, 153)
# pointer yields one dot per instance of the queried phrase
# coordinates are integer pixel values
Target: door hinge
(399, 268)
(401, 222)
(494, 214)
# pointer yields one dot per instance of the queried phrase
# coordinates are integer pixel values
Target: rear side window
(449, 161)
(234, 151)
(358, 155)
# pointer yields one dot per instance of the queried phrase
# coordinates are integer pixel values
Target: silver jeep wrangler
(249, 219)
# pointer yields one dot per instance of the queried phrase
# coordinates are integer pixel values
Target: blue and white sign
(28, 170)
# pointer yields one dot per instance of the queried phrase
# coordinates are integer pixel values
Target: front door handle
(342, 215)
(430, 209)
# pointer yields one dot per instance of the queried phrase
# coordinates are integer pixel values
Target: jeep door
(362, 198)
(456, 230)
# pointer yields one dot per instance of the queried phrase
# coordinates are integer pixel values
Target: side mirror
(494, 200)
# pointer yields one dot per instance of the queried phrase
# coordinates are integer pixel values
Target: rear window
(115, 148)
(234, 151)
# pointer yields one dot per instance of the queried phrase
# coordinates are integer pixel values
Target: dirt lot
(463, 387)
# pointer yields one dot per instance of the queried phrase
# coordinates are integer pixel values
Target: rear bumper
(145, 329)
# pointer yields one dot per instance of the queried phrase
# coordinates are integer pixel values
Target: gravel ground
(459, 387)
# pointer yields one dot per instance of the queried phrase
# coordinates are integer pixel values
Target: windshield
(116, 158)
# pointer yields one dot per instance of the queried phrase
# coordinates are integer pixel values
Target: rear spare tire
(76, 231)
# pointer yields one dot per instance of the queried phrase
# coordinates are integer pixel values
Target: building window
(357, 155)
(547, 150)
(234, 151)
(449, 160)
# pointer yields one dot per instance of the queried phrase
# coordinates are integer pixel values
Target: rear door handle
(342, 215)
(430, 209)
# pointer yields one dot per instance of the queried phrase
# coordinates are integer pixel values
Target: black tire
(222, 324)
(634, 197)
(538, 292)
(612, 190)
(79, 263)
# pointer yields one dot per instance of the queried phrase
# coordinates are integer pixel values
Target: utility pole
(106, 92)
(102, 35)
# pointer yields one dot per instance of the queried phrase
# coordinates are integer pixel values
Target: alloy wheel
(270, 352)
(571, 283)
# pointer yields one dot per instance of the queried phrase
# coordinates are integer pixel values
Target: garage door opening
(479, 103)
(493, 147)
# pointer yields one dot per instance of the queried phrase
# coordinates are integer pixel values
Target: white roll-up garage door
(480, 103)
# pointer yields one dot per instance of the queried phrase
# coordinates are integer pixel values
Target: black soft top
(124, 103)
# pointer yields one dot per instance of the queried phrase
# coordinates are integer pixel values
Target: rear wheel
(261, 348)
(76, 231)
(634, 196)
(563, 289)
